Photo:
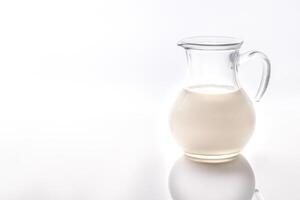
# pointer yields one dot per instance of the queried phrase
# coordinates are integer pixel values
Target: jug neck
(212, 67)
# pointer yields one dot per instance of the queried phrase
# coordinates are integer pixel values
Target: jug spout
(211, 43)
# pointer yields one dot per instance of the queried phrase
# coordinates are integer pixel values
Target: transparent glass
(213, 118)
(234, 180)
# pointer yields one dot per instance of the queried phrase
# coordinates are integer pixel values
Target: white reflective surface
(227, 181)
(127, 152)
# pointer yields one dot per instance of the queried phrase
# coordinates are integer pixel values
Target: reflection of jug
(226, 181)
(213, 118)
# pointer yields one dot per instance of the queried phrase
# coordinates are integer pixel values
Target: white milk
(212, 122)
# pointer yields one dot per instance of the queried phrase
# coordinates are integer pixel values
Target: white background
(85, 88)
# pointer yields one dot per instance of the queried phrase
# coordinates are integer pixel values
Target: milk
(212, 122)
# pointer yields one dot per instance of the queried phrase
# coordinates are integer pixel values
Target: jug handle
(258, 195)
(266, 72)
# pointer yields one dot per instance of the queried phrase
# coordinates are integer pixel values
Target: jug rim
(211, 43)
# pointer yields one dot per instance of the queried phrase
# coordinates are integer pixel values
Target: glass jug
(213, 117)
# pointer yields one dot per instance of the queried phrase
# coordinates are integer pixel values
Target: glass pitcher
(213, 117)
